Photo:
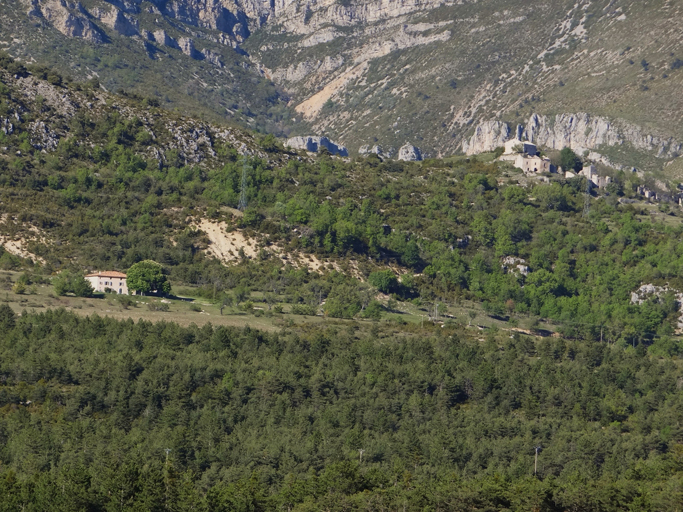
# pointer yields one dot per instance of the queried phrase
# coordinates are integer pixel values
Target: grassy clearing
(188, 308)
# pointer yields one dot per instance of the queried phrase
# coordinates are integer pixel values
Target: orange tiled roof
(110, 273)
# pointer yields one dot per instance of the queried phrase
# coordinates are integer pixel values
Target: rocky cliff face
(70, 19)
(313, 144)
(581, 132)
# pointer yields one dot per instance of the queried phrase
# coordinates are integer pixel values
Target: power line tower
(243, 189)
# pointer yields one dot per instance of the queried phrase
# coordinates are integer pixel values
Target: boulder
(409, 153)
(367, 150)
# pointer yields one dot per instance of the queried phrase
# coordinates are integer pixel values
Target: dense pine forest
(106, 415)
(357, 411)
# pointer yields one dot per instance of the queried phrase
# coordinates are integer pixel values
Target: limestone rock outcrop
(313, 144)
(6, 126)
(214, 58)
(186, 46)
(42, 137)
(72, 22)
(488, 136)
(648, 291)
(303, 69)
(161, 37)
(580, 132)
(369, 150)
(409, 153)
(122, 24)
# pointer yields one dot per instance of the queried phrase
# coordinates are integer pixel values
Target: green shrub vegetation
(448, 222)
(68, 282)
(147, 277)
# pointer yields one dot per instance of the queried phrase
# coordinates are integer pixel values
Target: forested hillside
(100, 199)
(103, 415)
(367, 408)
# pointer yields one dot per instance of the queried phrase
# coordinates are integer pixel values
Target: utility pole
(360, 455)
(243, 189)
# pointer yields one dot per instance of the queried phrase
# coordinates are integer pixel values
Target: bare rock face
(370, 150)
(186, 46)
(303, 19)
(6, 125)
(70, 22)
(42, 137)
(580, 132)
(409, 153)
(214, 58)
(313, 144)
(304, 69)
(228, 16)
(121, 23)
(488, 136)
(240, 17)
(161, 37)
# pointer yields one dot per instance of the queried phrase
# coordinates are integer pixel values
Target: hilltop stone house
(110, 280)
(533, 164)
(524, 155)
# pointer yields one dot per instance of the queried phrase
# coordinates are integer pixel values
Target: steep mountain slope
(428, 72)
(134, 47)
(384, 72)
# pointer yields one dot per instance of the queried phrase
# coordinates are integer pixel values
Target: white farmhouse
(112, 280)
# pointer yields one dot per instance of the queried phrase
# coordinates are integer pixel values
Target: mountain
(132, 46)
(432, 73)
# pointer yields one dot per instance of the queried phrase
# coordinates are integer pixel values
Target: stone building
(533, 164)
(110, 280)
(591, 172)
(524, 155)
